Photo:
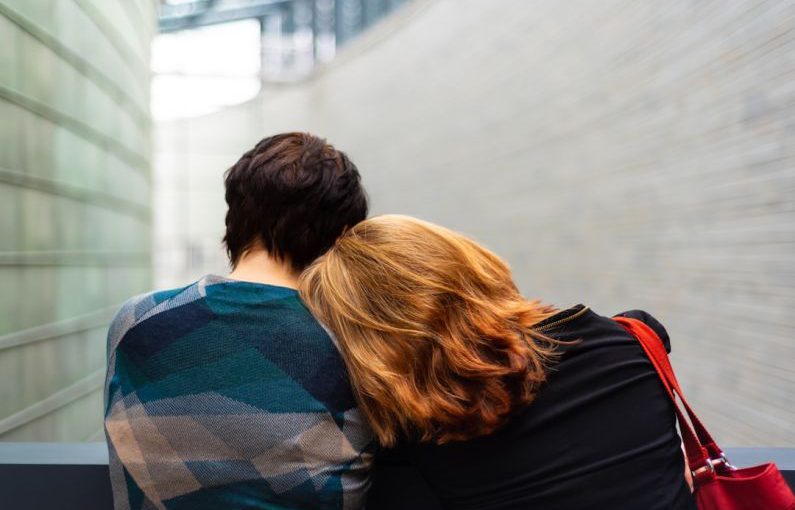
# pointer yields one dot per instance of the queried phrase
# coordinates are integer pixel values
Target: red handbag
(717, 484)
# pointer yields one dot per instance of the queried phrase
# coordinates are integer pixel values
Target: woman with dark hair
(493, 401)
(227, 393)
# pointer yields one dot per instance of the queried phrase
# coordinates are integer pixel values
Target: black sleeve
(398, 485)
(652, 323)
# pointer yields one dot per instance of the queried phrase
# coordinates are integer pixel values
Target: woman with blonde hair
(492, 400)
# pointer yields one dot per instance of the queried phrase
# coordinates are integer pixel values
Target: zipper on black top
(564, 320)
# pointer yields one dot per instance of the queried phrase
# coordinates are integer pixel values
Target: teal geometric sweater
(230, 395)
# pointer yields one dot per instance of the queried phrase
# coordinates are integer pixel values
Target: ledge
(74, 476)
(59, 454)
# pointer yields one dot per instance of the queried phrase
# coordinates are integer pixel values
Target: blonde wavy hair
(438, 341)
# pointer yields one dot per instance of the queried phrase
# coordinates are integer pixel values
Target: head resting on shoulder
(437, 339)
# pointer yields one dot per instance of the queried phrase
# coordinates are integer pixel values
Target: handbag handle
(703, 453)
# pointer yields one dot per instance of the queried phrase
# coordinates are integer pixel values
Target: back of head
(293, 194)
(437, 338)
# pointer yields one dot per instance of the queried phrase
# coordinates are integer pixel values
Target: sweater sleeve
(653, 323)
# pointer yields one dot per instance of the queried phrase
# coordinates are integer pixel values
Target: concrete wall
(74, 203)
(620, 154)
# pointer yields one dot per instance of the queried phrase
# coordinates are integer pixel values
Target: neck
(258, 266)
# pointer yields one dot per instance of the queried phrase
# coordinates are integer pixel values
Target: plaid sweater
(229, 395)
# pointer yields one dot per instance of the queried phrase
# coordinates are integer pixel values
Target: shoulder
(137, 309)
(650, 321)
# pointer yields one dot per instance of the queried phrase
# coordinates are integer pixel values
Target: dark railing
(69, 476)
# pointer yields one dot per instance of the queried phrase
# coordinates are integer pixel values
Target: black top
(600, 434)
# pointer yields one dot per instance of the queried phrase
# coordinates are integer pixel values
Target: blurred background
(622, 154)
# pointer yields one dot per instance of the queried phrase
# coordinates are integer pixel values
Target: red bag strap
(654, 349)
(701, 449)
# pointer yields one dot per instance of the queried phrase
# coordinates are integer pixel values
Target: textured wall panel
(621, 154)
(75, 213)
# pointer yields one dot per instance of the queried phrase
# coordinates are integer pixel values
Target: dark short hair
(293, 194)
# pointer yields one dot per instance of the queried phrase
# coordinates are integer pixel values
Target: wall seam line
(53, 402)
(84, 67)
(58, 329)
(76, 126)
(104, 25)
(86, 258)
(76, 193)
